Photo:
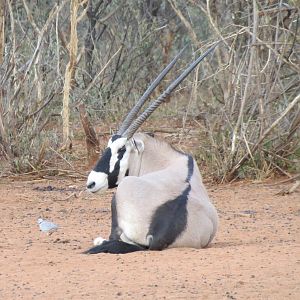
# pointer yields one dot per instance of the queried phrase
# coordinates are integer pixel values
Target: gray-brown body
(158, 174)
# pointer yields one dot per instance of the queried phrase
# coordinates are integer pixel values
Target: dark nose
(91, 185)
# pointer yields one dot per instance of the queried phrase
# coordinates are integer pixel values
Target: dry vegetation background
(64, 64)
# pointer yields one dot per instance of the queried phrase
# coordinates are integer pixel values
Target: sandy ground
(256, 254)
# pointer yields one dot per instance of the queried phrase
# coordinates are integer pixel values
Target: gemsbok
(161, 201)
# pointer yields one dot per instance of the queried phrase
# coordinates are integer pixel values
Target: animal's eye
(123, 149)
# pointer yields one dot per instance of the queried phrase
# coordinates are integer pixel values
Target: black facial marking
(169, 221)
(113, 176)
(103, 163)
(121, 152)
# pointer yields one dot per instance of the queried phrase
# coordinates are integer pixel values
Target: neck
(157, 155)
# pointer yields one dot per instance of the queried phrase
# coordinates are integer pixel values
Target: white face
(112, 166)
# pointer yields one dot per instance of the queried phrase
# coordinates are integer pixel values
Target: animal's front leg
(115, 230)
(114, 247)
(116, 243)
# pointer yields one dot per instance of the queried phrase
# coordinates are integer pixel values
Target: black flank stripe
(190, 168)
(169, 221)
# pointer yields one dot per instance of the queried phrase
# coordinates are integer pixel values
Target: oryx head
(113, 165)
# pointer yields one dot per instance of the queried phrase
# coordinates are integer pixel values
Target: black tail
(114, 247)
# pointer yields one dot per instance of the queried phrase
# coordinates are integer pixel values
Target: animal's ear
(138, 145)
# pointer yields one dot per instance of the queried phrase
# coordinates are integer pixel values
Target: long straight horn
(132, 114)
(142, 118)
